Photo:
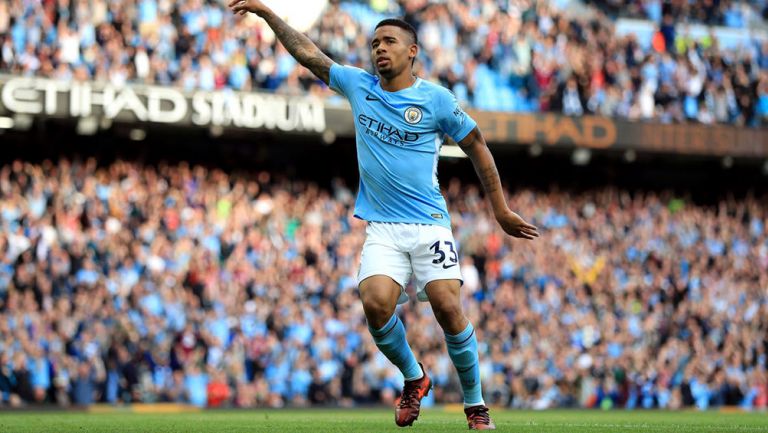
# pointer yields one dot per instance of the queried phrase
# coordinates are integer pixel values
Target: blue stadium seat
(461, 92)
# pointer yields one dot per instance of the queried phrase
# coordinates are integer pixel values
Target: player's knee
(377, 313)
(446, 307)
(377, 319)
(448, 315)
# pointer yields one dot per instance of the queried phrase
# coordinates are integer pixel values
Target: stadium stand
(515, 56)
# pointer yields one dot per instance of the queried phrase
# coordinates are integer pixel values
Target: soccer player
(399, 122)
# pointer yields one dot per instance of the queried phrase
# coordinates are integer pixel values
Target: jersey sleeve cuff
(469, 125)
(333, 74)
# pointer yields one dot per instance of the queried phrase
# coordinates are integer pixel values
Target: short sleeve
(343, 77)
(452, 120)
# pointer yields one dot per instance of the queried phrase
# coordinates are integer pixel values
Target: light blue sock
(462, 349)
(390, 339)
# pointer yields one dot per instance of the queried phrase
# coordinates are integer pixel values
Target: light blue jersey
(399, 135)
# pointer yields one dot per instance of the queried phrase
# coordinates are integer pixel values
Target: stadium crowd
(728, 13)
(519, 55)
(177, 283)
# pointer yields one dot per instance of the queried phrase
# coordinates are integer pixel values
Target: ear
(413, 51)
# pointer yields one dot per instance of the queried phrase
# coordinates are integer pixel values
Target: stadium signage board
(172, 106)
(166, 105)
(605, 133)
(595, 132)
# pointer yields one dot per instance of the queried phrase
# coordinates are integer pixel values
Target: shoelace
(480, 416)
(410, 394)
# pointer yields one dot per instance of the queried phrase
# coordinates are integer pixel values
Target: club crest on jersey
(412, 115)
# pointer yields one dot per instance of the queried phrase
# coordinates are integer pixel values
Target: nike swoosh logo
(371, 98)
(464, 370)
(449, 266)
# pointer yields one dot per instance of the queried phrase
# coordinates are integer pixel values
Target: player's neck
(399, 82)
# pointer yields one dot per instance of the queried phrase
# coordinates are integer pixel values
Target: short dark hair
(397, 22)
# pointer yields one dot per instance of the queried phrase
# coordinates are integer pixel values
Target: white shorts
(398, 250)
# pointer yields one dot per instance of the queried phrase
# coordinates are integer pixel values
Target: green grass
(367, 420)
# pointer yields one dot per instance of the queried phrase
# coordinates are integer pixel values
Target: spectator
(218, 390)
(85, 382)
(319, 394)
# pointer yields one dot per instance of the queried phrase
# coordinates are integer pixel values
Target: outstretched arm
(475, 147)
(301, 48)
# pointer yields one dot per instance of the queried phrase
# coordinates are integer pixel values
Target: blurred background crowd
(175, 283)
(504, 55)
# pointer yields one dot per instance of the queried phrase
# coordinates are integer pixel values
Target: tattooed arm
(475, 147)
(301, 47)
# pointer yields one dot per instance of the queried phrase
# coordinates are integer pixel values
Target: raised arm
(301, 48)
(475, 147)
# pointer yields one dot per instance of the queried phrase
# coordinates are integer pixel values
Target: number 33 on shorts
(444, 250)
(399, 251)
(436, 259)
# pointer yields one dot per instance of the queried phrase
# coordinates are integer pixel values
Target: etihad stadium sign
(164, 105)
(136, 104)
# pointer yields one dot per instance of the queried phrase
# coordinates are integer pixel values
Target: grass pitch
(379, 420)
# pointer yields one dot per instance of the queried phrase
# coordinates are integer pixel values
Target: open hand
(244, 6)
(514, 225)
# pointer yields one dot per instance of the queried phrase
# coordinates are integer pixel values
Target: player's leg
(379, 294)
(438, 280)
(460, 337)
(461, 340)
(384, 272)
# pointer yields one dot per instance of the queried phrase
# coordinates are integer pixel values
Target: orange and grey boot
(408, 405)
(478, 418)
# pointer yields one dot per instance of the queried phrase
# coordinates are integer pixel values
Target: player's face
(392, 51)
